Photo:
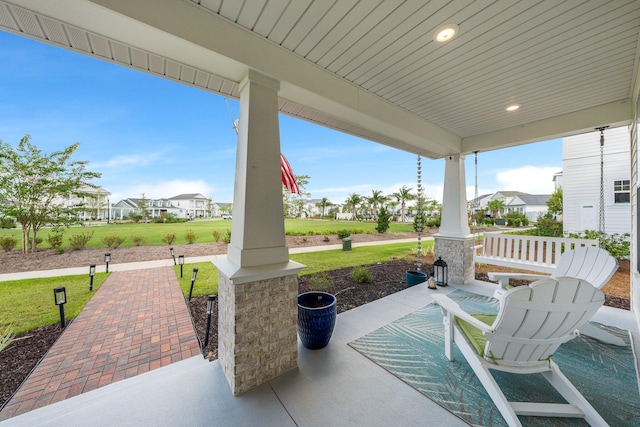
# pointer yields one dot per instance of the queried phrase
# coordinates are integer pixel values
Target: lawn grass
(153, 233)
(28, 303)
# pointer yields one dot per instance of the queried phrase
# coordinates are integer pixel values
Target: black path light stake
(181, 262)
(92, 272)
(440, 272)
(193, 280)
(211, 302)
(107, 259)
(60, 298)
(173, 255)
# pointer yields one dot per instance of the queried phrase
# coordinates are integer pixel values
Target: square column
(257, 284)
(454, 241)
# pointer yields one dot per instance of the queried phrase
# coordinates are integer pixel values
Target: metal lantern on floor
(194, 275)
(107, 259)
(440, 272)
(181, 262)
(60, 298)
(173, 255)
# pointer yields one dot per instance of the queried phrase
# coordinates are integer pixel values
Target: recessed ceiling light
(513, 107)
(445, 33)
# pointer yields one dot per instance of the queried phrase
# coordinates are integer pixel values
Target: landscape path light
(181, 262)
(92, 272)
(173, 255)
(60, 298)
(211, 302)
(107, 259)
(193, 280)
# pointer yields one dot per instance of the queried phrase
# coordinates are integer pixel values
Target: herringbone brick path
(136, 322)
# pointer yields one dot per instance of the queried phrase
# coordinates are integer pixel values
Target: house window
(621, 191)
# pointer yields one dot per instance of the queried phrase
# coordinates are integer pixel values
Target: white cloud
(129, 160)
(528, 179)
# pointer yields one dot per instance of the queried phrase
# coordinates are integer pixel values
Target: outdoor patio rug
(412, 349)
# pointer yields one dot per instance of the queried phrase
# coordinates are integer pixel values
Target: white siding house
(530, 205)
(581, 181)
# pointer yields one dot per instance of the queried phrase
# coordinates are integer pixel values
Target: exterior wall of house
(581, 181)
(635, 207)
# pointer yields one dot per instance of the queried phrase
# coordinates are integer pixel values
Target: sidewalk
(168, 262)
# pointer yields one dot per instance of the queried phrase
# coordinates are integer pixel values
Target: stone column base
(457, 252)
(257, 322)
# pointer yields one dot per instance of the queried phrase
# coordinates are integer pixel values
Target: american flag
(288, 179)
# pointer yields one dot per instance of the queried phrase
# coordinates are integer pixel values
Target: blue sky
(158, 137)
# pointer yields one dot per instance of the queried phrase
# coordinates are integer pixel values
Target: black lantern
(181, 262)
(107, 259)
(193, 280)
(211, 302)
(173, 255)
(60, 298)
(92, 272)
(440, 273)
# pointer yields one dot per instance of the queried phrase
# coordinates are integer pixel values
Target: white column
(454, 241)
(257, 285)
(257, 231)
(454, 222)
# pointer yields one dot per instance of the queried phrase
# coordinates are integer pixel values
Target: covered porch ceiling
(372, 68)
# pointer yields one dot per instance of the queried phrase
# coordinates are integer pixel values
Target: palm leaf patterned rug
(412, 349)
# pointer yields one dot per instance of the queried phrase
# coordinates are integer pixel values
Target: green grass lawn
(27, 304)
(153, 233)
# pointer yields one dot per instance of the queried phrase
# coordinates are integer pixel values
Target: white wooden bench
(535, 253)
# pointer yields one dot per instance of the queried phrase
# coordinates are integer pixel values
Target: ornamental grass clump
(362, 275)
(79, 241)
(169, 238)
(113, 241)
(190, 236)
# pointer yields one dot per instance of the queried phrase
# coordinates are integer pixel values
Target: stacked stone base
(257, 330)
(457, 252)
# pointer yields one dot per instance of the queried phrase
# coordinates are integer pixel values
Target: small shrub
(55, 239)
(433, 221)
(325, 239)
(7, 223)
(8, 242)
(79, 241)
(362, 275)
(226, 237)
(216, 235)
(190, 237)
(6, 336)
(38, 242)
(169, 238)
(618, 245)
(304, 240)
(382, 223)
(343, 234)
(320, 282)
(138, 240)
(113, 241)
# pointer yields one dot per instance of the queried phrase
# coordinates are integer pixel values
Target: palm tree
(323, 204)
(403, 195)
(352, 203)
(377, 198)
(496, 206)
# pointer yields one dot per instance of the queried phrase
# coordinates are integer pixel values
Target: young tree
(403, 195)
(377, 199)
(554, 204)
(495, 206)
(352, 203)
(143, 208)
(34, 187)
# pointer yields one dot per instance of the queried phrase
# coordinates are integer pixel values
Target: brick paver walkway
(136, 322)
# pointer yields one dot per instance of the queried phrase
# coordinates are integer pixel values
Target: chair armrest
(503, 278)
(450, 307)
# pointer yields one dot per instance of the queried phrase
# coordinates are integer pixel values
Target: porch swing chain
(601, 219)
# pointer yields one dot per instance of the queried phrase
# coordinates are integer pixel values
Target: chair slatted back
(534, 320)
(590, 263)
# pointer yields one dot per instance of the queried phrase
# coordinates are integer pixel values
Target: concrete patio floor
(334, 386)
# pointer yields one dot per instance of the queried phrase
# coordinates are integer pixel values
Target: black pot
(316, 318)
(415, 277)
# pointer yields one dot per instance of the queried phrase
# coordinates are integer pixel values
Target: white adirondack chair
(532, 323)
(590, 263)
